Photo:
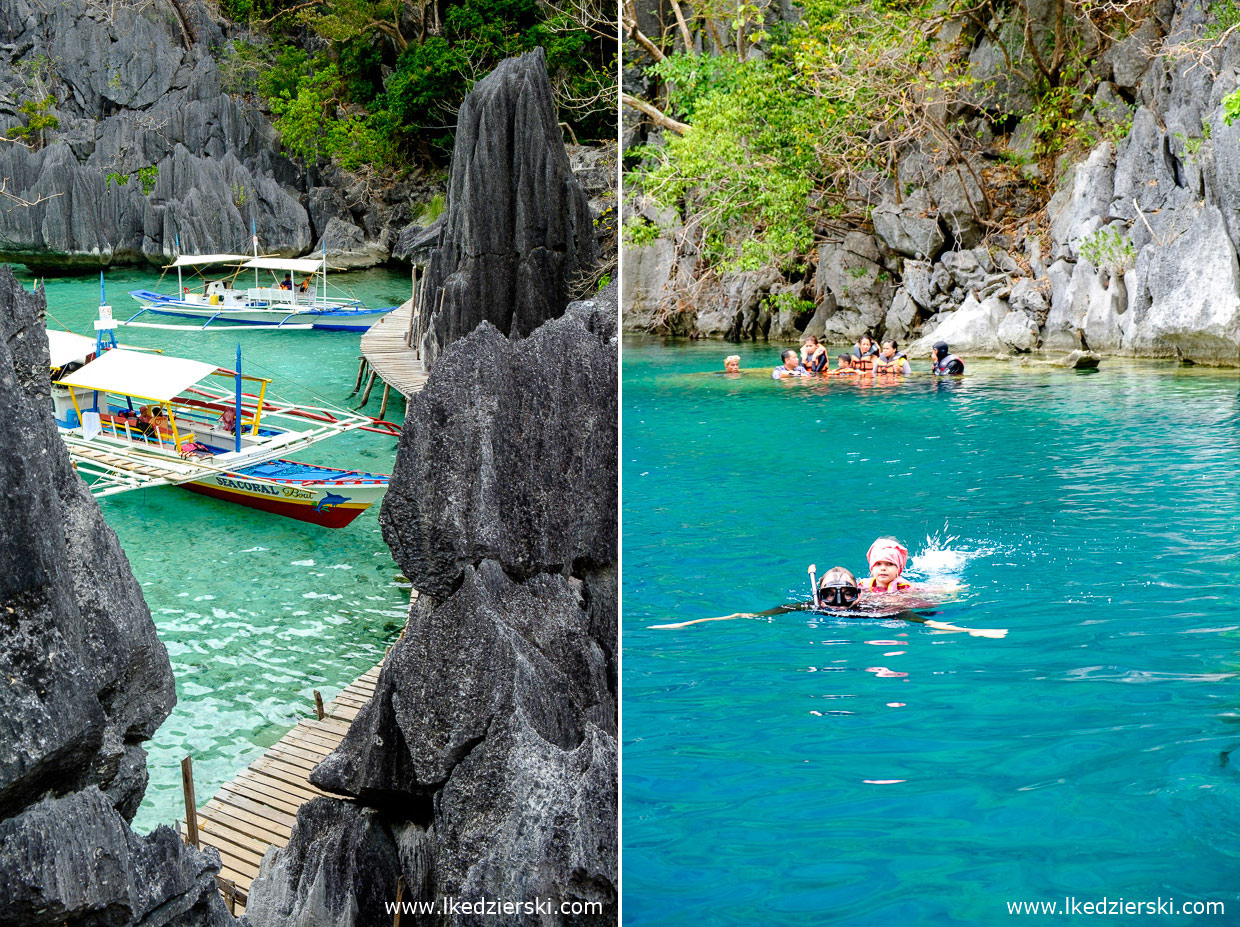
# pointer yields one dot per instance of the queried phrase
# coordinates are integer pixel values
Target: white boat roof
(67, 347)
(300, 265)
(154, 377)
(193, 260)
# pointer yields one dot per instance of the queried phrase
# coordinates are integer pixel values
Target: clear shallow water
(256, 611)
(1087, 754)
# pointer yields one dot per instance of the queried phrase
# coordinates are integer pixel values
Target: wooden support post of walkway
(191, 806)
(361, 371)
(387, 391)
(369, 386)
(318, 704)
(413, 310)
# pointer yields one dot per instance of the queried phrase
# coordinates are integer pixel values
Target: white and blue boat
(226, 297)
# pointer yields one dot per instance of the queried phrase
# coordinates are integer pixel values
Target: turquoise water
(797, 771)
(256, 610)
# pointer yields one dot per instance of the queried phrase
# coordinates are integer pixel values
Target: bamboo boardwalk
(385, 347)
(257, 810)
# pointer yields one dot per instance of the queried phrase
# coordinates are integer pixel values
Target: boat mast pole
(237, 417)
(180, 283)
(254, 232)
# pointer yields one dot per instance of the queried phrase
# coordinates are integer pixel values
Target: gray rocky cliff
(485, 766)
(135, 89)
(1137, 255)
(87, 683)
(518, 234)
(150, 150)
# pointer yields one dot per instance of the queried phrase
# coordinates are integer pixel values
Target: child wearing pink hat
(887, 558)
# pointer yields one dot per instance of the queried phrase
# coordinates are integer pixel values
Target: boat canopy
(193, 260)
(67, 347)
(299, 265)
(153, 377)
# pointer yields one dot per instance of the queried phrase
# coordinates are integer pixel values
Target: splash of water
(940, 562)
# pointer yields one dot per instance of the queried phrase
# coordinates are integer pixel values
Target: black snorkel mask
(841, 596)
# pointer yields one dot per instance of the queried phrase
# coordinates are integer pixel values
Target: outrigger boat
(305, 306)
(195, 434)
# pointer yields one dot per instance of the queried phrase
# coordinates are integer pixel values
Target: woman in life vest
(814, 356)
(863, 354)
(889, 362)
(887, 558)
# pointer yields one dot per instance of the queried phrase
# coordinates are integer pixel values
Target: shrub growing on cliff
(1108, 249)
(314, 123)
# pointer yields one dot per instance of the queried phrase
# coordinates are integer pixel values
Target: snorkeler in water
(839, 594)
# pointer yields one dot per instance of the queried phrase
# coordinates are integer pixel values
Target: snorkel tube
(813, 585)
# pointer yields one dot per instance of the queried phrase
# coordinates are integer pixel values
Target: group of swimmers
(867, 358)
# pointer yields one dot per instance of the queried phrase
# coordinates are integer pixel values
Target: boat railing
(277, 296)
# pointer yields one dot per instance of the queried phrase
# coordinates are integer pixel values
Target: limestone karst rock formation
(87, 682)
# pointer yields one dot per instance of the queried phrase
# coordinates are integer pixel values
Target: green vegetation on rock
(769, 154)
(376, 85)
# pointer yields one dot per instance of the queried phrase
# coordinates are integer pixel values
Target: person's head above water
(791, 359)
(732, 363)
(940, 349)
(887, 558)
(838, 588)
(889, 349)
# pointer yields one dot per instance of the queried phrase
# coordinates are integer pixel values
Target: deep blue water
(256, 611)
(796, 771)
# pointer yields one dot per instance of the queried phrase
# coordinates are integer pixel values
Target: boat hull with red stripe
(325, 496)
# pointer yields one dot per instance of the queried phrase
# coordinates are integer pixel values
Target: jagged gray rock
(851, 273)
(340, 867)
(518, 235)
(485, 764)
(87, 683)
(1192, 289)
(131, 95)
(74, 861)
(971, 329)
(478, 454)
(909, 228)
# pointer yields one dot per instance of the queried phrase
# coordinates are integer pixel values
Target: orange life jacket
(898, 586)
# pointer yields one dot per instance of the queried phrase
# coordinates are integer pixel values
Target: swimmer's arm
(972, 632)
(777, 610)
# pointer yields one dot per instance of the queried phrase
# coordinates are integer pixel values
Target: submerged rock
(1076, 360)
(87, 682)
(518, 236)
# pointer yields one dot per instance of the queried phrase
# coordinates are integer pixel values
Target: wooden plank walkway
(385, 349)
(257, 810)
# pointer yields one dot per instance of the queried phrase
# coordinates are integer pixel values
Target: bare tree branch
(651, 113)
